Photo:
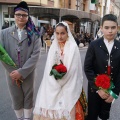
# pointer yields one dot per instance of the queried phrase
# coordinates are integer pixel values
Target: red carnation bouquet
(103, 81)
(58, 71)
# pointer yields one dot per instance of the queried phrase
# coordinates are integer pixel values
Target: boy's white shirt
(109, 45)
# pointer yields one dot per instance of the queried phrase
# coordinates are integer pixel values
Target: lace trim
(53, 114)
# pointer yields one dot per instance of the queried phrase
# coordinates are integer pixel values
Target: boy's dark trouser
(97, 107)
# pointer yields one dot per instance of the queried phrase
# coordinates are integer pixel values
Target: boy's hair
(109, 17)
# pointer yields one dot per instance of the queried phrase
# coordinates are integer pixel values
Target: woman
(21, 41)
(58, 99)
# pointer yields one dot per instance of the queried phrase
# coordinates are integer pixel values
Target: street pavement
(6, 111)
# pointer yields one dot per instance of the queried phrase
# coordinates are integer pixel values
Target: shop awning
(56, 13)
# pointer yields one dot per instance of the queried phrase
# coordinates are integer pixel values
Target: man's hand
(15, 75)
(103, 94)
(109, 99)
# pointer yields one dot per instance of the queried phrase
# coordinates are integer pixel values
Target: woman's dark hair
(109, 17)
(61, 24)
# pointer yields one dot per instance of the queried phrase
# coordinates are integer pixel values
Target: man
(22, 44)
(42, 32)
(5, 25)
(103, 55)
(99, 34)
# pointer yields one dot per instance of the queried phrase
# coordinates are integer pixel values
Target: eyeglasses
(21, 15)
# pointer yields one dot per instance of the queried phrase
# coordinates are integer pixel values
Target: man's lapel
(24, 35)
(115, 47)
(13, 33)
(102, 45)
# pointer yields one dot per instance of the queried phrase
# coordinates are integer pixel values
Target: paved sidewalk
(85, 47)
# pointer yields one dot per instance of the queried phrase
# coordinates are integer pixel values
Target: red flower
(103, 81)
(60, 68)
(58, 71)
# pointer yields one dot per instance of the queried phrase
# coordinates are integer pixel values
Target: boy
(21, 42)
(102, 53)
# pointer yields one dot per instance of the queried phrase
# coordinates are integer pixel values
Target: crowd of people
(47, 33)
(61, 95)
(83, 38)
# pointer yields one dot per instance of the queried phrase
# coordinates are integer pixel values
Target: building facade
(78, 22)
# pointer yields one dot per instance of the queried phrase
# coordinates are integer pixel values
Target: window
(77, 4)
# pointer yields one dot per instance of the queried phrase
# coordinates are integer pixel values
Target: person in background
(42, 32)
(99, 34)
(88, 38)
(91, 38)
(50, 30)
(82, 38)
(118, 36)
(5, 25)
(46, 36)
(103, 58)
(21, 41)
(52, 38)
(58, 98)
(76, 39)
(37, 28)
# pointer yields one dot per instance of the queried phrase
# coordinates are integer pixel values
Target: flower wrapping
(58, 71)
(4, 57)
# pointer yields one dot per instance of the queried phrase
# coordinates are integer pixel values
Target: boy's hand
(15, 75)
(109, 99)
(103, 94)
